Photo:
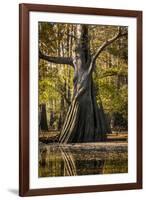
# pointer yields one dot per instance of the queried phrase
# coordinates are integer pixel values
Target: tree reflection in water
(71, 160)
(64, 161)
(68, 161)
(55, 161)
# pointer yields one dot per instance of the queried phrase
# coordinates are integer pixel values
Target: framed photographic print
(80, 99)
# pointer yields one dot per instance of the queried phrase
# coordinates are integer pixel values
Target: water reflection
(70, 160)
(69, 163)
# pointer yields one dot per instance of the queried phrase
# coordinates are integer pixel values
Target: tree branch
(107, 43)
(56, 60)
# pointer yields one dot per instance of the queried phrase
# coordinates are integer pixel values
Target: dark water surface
(82, 159)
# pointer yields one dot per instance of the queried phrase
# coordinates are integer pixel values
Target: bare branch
(107, 43)
(56, 60)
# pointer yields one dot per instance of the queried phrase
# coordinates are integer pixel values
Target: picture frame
(25, 106)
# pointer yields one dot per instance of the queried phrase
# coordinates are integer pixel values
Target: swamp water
(82, 159)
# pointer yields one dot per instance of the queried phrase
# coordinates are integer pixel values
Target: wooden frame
(24, 10)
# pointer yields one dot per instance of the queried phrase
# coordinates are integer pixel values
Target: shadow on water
(58, 160)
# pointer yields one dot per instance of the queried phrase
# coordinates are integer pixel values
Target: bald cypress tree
(85, 120)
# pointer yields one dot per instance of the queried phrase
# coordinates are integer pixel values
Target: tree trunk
(85, 120)
(51, 119)
(43, 118)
